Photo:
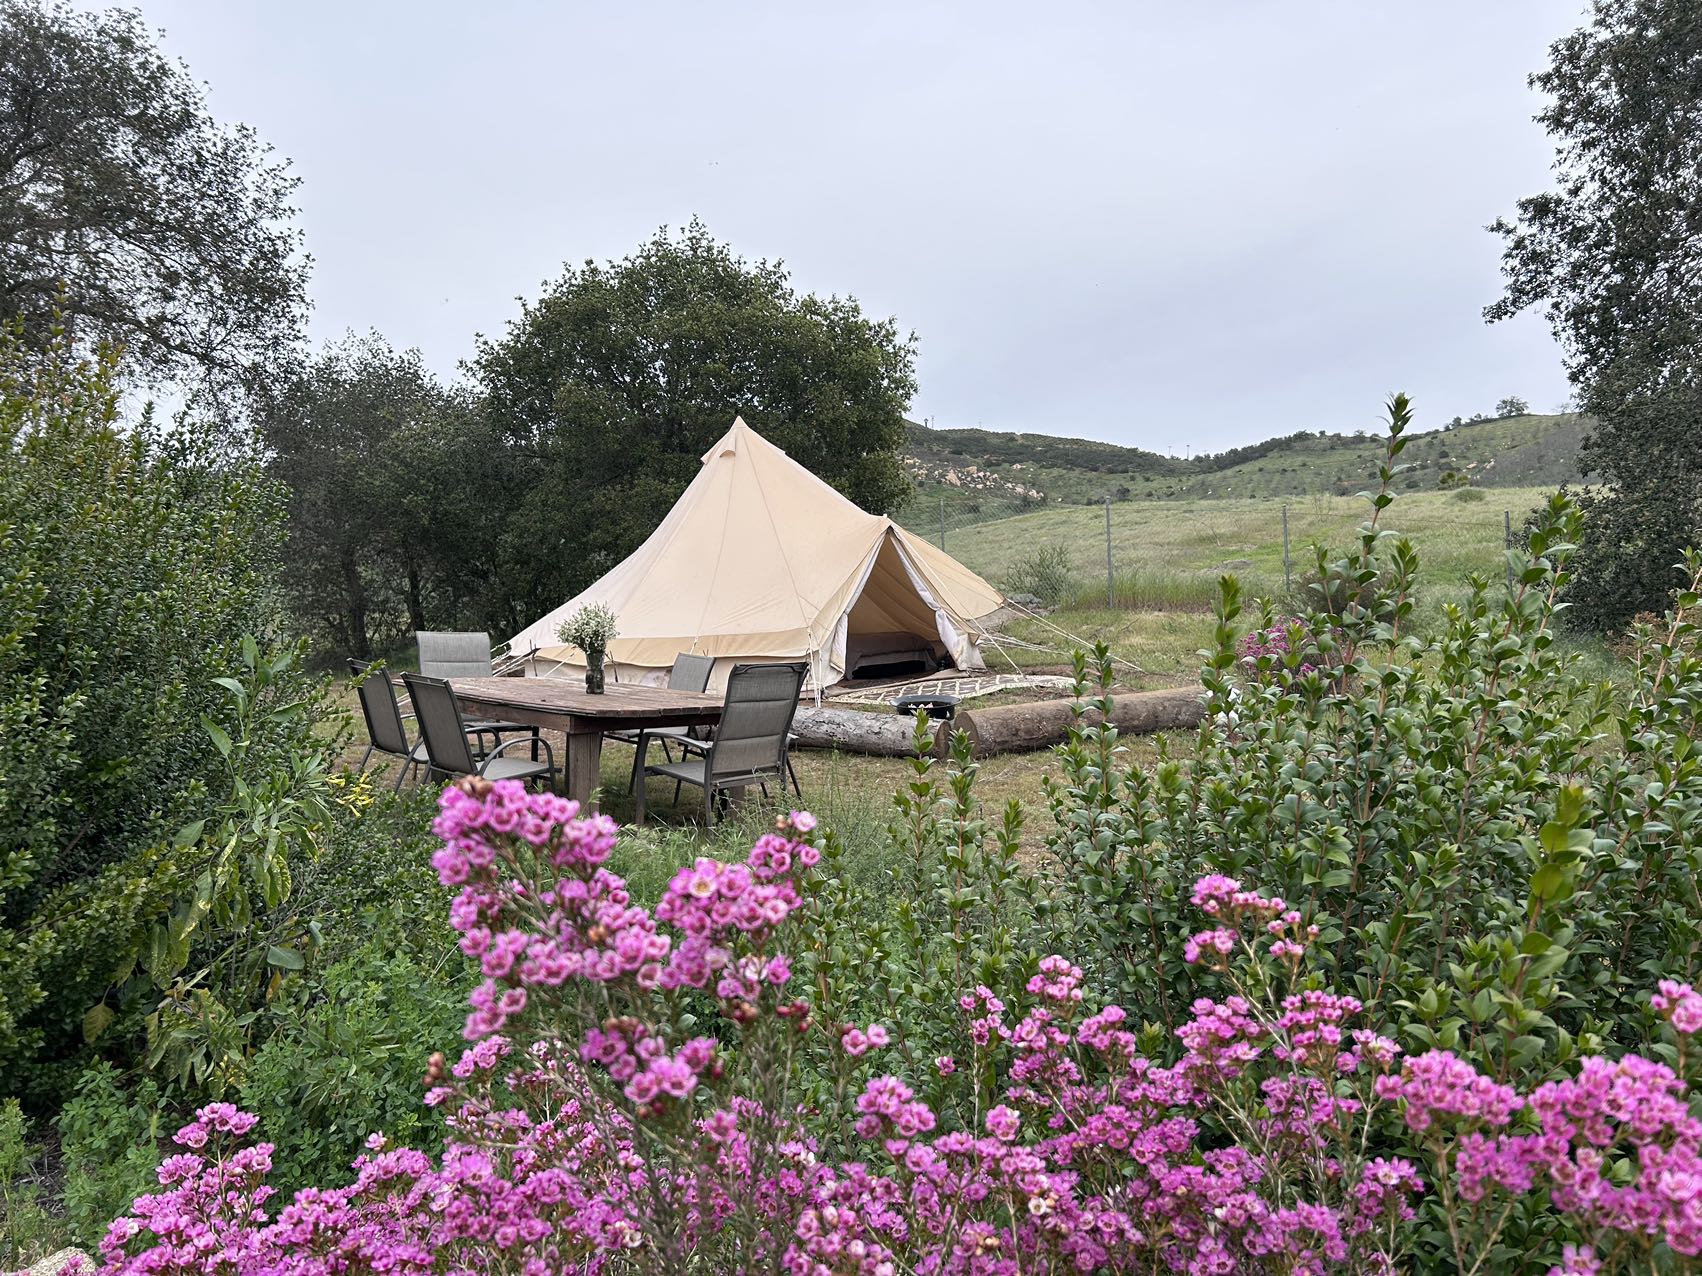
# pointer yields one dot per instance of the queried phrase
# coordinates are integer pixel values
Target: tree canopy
(1613, 256)
(166, 231)
(395, 493)
(611, 386)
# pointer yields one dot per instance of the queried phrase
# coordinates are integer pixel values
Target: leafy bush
(111, 1136)
(1498, 851)
(1045, 573)
(1469, 495)
(134, 570)
(346, 1057)
(374, 878)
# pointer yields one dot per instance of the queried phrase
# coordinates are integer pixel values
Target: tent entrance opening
(891, 632)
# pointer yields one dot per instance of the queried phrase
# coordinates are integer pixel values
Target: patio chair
(386, 724)
(750, 741)
(443, 731)
(385, 730)
(690, 673)
(463, 654)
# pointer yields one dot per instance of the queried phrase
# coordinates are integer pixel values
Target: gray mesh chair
(750, 742)
(386, 724)
(385, 730)
(690, 673)
(444, 733)
(452, 654)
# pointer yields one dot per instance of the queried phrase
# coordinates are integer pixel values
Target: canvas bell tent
(761, 560)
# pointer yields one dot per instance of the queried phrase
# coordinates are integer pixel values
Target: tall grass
(1157, 590)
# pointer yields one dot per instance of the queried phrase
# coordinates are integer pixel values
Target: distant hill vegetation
(984, 473)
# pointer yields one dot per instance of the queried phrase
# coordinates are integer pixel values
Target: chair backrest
(690, 673)
(441, 725)
(454, 655)
(750, 739)
(378, 706)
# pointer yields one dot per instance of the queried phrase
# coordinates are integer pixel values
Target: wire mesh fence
(1143, 574)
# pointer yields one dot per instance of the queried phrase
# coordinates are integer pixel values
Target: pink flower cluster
(1274, 644)
(592, 1131)
(1679, 1004)
(1438, 1085)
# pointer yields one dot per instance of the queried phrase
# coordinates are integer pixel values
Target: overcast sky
(1169, 225)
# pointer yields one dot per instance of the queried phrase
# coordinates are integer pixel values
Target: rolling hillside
(980, 474)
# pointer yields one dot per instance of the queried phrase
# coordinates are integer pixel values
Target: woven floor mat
(963, 686)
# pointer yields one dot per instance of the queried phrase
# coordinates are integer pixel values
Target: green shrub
(1045, 573)
(950, 909)
(134, 572)
(375, 880)
(1494, 845)
(1470, 495)
(346, 1059)
(112, 1136)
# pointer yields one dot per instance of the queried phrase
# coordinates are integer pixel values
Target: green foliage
(232, 941)
(1493, 845)
(346, 1059)
(393, 483)
(610, 387)
(1612, 258)
(374, 878)
(112, 1137)
(130, 569)
(1045, 573)
(27, 1231)
(126, 208)
(952, 912)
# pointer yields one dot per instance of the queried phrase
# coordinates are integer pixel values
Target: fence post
(942, 519)
(1287, 571)
(1507, 544)
(1110, 577)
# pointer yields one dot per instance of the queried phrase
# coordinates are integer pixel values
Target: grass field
(1201, 540)
(1169, 555)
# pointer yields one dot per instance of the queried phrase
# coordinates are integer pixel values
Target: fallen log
(886, 735)
(1022, 728)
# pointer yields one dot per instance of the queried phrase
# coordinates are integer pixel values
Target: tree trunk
(1020, 728)
(355, 590)
(416, 600)
(886, 735)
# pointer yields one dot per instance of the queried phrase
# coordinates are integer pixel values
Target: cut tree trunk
(886, 735)
(1010, 728)
(1022, 728)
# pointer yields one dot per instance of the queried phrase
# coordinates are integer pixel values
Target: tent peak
(728, 443)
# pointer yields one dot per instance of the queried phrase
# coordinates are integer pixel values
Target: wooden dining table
(560, 705)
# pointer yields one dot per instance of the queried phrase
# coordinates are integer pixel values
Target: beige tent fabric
(760, 559)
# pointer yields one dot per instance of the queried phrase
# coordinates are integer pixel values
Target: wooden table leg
(584, 766)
